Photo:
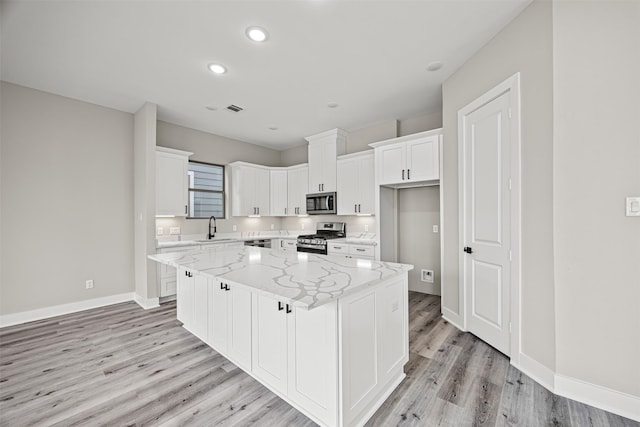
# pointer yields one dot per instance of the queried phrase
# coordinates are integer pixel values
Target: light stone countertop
(305, 279)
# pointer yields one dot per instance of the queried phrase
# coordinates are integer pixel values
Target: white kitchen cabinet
(172, 181)
(278, 192)
(185, 297)
(323, 151)
(297, 188)
(408, 159)
(269, 338)
(294, 353)
(356, 184)
(200, 319)
(351, 250)
(289, 245)
(166, 275)
(229, 330)
(249, 189)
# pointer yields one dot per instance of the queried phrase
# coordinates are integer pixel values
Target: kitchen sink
(214, 240)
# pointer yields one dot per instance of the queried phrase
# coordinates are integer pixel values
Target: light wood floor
(124, 366)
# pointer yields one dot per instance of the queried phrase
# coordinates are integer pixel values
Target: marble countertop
(306, 279)
(355, 241)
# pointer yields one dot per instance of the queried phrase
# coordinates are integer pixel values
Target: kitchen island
(327, 334)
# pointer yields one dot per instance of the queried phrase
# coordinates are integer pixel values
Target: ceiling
(369, 57)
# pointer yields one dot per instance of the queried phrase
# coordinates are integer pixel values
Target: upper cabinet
(356, 184)
(250, 188)
(323, 151)
(297, 186)
(409, 159)
(279, 179)
(172, 181)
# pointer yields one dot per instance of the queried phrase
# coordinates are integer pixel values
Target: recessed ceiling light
(257, 34)
(211, 108)
(273, 127)
(332, 104)
(217, 68)
(434, 66)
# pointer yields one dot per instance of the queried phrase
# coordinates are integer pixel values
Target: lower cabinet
(351, 250)
(230, 321)
(294, 353)
(335, 363)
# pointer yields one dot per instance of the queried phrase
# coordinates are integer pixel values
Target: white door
(486, 211)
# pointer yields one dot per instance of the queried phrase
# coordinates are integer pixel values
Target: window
(206, 190)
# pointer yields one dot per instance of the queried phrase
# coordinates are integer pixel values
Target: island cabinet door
(239, 321)
(200, 317)
(269, 350)
(218, 315)
(184, 297)
(313, 361)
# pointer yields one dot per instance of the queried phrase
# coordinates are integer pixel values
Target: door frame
(512, 86)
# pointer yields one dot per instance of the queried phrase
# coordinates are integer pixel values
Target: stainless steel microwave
(321, 204)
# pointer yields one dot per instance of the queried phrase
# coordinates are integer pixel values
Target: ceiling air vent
(234, 108)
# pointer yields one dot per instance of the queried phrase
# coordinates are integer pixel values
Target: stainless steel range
(317, 243)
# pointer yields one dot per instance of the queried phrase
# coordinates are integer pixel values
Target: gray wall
(525, 45)
(67, 200)
(596, 164)
(418, 212)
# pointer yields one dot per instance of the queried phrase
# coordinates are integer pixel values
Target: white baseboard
(146, 303)
(601, 397)
(452, 318)
(536, 371)
(59, 310)
(604, 398)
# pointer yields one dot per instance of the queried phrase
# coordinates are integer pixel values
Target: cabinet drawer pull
(359, 250)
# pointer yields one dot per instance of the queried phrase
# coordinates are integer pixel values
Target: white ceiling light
(211, 108)
(332, 105)
(257, 34)
(434, 66)
(217, 68)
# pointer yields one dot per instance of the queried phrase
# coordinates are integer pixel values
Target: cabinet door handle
(226, 287)
(280, 306)
(288, 308)
(221, 285)
(185, 210)
(355, 208)
(403, 174)
(258, 210)
(359, 250)
(359, 210)
(408, 174)
(285, 211)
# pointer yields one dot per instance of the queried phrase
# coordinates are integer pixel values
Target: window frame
(223, 192)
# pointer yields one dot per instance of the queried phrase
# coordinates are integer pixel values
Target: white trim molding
(595, 395)
(536, 371)
(453, 318)
(59, 310)
(146, 303)
(601, 397)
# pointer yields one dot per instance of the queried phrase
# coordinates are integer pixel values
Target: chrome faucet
(212, 235)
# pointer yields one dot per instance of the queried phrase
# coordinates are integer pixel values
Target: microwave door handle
(326, 199)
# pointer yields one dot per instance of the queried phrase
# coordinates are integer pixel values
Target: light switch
(160, 231)
(435, 228)
(633, 206)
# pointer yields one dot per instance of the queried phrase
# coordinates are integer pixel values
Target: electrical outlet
(366, 227)
(160, 231)
(435, 228)
(174, 230)
(273, 226)
(426, 276)
(88, 284)
(234, 228)
(302, 225)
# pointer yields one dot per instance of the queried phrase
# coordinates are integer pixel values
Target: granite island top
(305, 279)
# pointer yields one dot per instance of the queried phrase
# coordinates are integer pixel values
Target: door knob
(468, 249)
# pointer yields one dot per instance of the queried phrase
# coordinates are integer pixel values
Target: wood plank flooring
(124, 366)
